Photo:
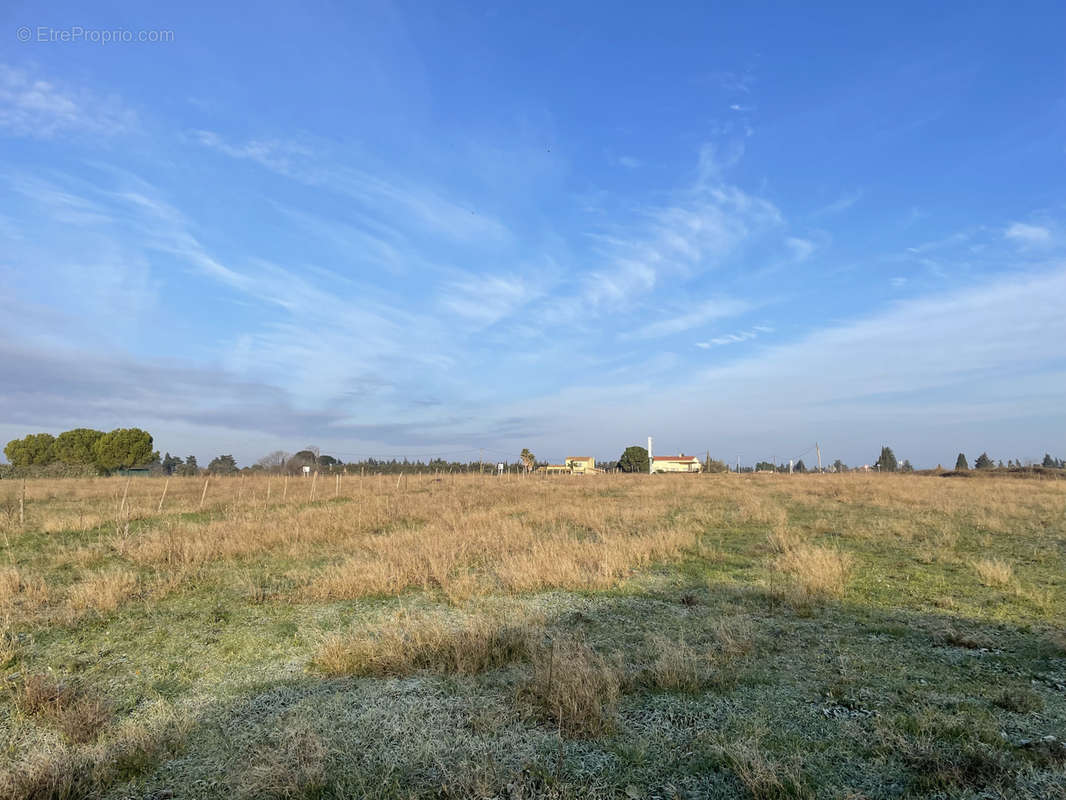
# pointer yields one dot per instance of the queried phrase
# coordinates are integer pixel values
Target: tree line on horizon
(85, 451)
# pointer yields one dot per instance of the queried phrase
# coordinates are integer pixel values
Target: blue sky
(426, 229)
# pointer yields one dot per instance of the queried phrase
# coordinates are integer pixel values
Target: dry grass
(811, 573)
(79, 715)
(763, 777)
(575, 688)
(404, 645)
(680, 667)
(102, 592)
(469, 536)
(66, 772)
(291, 765)
(994, 572)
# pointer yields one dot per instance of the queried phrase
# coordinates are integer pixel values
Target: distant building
(581, 465)
(681, 463)
(555, 469)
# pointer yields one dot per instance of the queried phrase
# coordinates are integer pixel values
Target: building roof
(676, 458)
(579, 458)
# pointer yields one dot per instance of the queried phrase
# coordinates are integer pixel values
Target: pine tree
(960, 462)
(886, 462)
(983, 462)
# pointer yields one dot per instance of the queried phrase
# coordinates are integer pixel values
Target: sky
(432, 229)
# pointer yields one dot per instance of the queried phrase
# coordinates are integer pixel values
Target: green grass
(920, 681)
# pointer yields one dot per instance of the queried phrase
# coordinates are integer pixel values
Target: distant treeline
(83, 452)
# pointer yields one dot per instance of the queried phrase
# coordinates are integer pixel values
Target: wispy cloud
(34, 107)
(388, 196)
(841, 204)
(801, 248)
(702, 314)
(733, 338)
(486, 299)
(1028, 235)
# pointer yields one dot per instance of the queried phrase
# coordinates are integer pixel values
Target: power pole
(481, 461)
(651, 458)
(818, 450)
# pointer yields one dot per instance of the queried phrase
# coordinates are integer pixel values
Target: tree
(36, 449)
(305, 458)
(799, 466)
(327, 462)
(76, 447)
(839, 466)
(886, 462)
(1049, 462)
(274, 461)
(123, 448)
(528, 459)
(222, 465)
(715, 465)
(960, 462)
(906, 467)
(983, 462)
(191, 468)
(634, 459)
(170, 464)
(765, 466)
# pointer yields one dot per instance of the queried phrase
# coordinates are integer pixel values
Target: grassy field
(860, 636)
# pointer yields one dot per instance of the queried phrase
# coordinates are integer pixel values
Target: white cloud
(486, 299)
(384, 197)
(801, 248)
(34, 107)
(841, 204)
(629, 162)
(733, 338)
(708, 311)
(1028, 235)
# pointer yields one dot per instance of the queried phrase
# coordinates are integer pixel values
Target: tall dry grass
(464, 536)
(575, 687)
(808, 573)
(404, 645)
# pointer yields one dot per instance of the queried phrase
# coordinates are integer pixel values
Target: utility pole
(651, 458)
(790, 466)
(818, 450)
(738, 463)
(481, 461)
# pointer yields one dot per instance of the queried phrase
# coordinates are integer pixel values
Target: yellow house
(681, 463)
(581, 465)
(555, 469)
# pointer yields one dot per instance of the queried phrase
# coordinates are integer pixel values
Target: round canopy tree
(76, 446)
(634, 459)
(123, 448)
(35, 449)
